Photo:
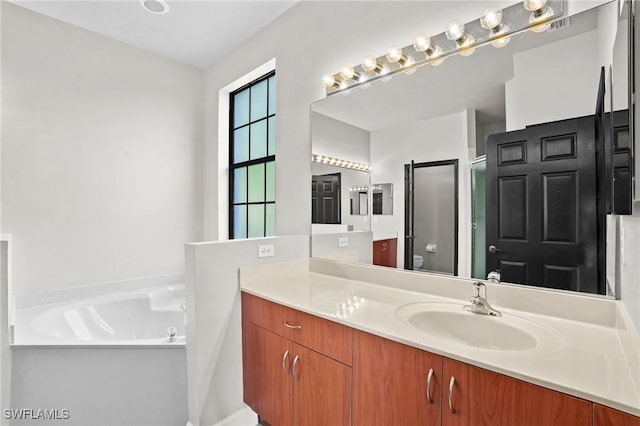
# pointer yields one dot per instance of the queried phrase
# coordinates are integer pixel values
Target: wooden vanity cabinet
(391, 383)
(605, 416)
(296, 367)
(480, 397)
(385, 252)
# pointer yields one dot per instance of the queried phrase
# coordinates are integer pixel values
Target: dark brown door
(541, 205)
(325, 199)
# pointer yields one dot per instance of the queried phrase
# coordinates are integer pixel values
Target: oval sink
(449, 321)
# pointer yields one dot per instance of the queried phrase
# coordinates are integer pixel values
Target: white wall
(359, 247)
(549, 85)
(628, 263)
(214, 338)
(338, 139)
(442, 138)
(100, 155)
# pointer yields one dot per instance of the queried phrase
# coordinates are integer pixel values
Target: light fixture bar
(332, 161)
(515, 19)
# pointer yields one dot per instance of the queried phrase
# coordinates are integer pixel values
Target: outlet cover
(266, 250)
(343, 241)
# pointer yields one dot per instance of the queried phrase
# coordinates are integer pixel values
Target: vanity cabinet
(394, 384)
(474, 396)
(296, 367)
(385, 252)
(605, 416)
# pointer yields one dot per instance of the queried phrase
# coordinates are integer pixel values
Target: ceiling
(195, 32)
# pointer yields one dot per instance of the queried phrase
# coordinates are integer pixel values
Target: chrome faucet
(479, 303)
(494, 277)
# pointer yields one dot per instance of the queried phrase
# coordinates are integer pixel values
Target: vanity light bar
(495, 26)
(359, 189)
(332, 161)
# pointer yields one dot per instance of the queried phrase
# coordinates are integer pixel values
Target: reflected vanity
(538, 131)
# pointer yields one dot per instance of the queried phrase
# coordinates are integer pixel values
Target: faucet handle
(479, 289)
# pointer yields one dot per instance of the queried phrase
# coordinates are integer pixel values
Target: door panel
(273, 388)
(325, 199)
(321, 390)
(390, 381)
(541, 205)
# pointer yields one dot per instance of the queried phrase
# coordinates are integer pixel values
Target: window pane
(240, 185)
(256, 220)
(256, 183)
(272, 95)
(271, 181)
(259, 100)
(240, 221)
(241, 145)
(272, 136)
(241, 108)
(270, 220)
(259, 139)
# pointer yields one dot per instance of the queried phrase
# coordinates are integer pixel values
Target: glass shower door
(478, 232)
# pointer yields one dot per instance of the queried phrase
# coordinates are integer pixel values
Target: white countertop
(589, 363)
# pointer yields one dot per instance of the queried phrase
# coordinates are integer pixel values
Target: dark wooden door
(480, 397)
(321, 390)
(621, 161)
(325, 199)
(390, 383)
(541, 212)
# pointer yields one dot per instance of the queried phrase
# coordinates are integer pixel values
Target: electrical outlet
(266, 250)
(343, 241)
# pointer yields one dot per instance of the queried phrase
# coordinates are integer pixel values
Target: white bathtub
(77, 348)
(139, 316)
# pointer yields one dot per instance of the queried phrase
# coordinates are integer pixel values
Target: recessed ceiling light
(159, 7)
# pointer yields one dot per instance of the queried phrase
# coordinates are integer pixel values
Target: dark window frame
(250, 162)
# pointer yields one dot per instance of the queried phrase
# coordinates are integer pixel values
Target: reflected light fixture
(330, 81)
(540, 14)
(369, 63)
(492, 20)
(464, 42)
(396, 55)
(424, 44)
(332, 161)
(349, 73)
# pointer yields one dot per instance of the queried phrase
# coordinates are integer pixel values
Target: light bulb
(434, 52)
(539, 19)
(349, 73)
(370, 64)
(422, 43)
(396, 55)
(533, 5)
(330, 81)
(466, 46)
(455, 30)
(491, 18)
(500, 41)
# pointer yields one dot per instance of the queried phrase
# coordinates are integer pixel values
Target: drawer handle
(429, 379)
(297, 327)
(452, 383)
(293, 368)
(285, 357)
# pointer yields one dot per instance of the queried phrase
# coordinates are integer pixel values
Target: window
(252, 183)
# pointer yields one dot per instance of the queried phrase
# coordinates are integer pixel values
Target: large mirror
(510, 164)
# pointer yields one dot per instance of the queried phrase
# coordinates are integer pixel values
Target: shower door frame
(409, 209)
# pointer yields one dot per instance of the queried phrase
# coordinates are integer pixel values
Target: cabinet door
(321, 390)
(391, 382)
(326, 337)
(605, 416)
(269, 357)
(480, 397)
(378, 254)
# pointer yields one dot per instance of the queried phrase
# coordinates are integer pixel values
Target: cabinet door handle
(297, 327)
(452, 383)
(384, 246)
(429, 379)
(293, 368)
(284, 359)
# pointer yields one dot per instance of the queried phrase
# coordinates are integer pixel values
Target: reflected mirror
(382, 198)
(359, 200)
(503, 161)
